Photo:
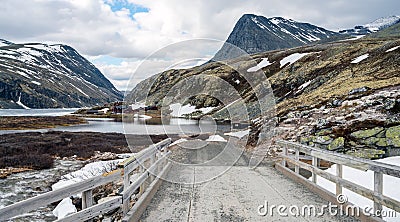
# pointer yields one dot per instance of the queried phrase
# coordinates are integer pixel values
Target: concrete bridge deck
(235, 195)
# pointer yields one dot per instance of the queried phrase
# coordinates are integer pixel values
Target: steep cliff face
(255, 34)
(37, 75)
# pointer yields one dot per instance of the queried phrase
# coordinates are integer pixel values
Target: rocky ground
(35, 150)
(365, 124)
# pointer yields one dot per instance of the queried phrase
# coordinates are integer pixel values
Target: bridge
(206, 186)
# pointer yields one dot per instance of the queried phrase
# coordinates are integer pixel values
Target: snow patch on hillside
(179, 111)
(264, 63)
(392, 49)
(292, 58)
(360, 58)
(20, 103)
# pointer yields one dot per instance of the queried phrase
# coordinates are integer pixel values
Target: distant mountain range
(372, 27)
(38, 75)
(255, 34)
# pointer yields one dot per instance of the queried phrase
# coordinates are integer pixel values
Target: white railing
(340, 160)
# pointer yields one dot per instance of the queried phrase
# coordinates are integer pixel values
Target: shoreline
(38, 122)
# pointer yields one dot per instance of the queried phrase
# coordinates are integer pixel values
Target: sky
(117, 35)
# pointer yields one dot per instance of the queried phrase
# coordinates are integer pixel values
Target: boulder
(336, 144)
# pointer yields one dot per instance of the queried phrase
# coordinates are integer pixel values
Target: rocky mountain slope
(372, 27)
(255, 34)
(37, 75)
(342, 96)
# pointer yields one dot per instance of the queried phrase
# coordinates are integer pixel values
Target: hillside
(329, 96)
(38, 75)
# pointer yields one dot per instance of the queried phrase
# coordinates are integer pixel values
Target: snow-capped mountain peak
(45, 76)
(5, 43)
(382, 23)
(255, 34)
(372, 27)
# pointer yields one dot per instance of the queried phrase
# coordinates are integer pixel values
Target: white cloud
(94, 29)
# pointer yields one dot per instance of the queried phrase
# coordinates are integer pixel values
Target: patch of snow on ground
(178, 110)
(141, 116)
(216, 138)
(303, 86)
(264, 63)
(360, 58)
(238, 134)
(392, 49)
(366, 179)
(178, 142)
(88, 171)
(37, 83)
(64, 208)
(138, 106)
(292, 58)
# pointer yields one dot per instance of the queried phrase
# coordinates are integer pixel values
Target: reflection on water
(137, 126)
(37, 112)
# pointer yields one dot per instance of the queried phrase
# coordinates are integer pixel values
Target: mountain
(392, 31)
(38, 75)
(342, 96)
(372, 27)
(255, 34)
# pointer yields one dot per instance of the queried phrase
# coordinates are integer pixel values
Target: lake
(106, 125)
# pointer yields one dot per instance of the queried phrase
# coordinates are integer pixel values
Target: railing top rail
(160, 146)
(355, 162)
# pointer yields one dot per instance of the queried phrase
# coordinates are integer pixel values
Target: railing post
(315, 164)
(339, 173)
(296, 167)
(141, 188)
(125, 201)
(87, 199)
(378, 188)
(152, 161)
(285, 153)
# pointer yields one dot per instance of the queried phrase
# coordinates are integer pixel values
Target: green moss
(362, 134)
(393, 136)
(325, 140)
(337, 143)
(324, 132)
(382, 142)
(367, 153)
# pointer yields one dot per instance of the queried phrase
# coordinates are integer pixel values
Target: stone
(393, 136)
(324, 132)
(337, 102)
(362, 134)
(367, 153)
(336, 144)
(382, 142)
(359, 90)
(323, 140)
